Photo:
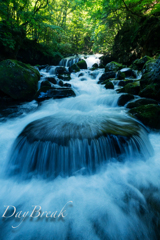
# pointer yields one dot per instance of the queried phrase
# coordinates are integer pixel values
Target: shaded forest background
(44, 31)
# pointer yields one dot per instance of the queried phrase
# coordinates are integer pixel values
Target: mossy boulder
(139, 63)
(74, 68)
(149, 115)
(151, 91)
(113, 66)
(131, 88)
(140, 102)
(149, 66)
(95, 65)
(120, 75)
(109, 85)
(18, 80)
(123, 83)
(124, 98)
(82, 64)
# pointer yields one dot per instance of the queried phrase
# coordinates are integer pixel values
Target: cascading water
(87, 152)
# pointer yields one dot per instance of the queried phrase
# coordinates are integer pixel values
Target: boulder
(109, 85)
(45, 84)
(61, 70)
(113, 66)
(149, 66)
(106, 76)
(139, 63)
(52, 80)
(95, 65)
(74, 68)
(149, 115)
(124, 98)
(81, 75)
(120, 75)
(140, 102)
(151, 91)
(128, 72)
(82, 64)
(131, 88)
(18, 80)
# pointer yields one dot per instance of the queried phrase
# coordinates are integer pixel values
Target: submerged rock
(149, 115)
(46, 93)
(64, 144)
(18, 80)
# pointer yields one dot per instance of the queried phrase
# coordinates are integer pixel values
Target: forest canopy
(70, 26)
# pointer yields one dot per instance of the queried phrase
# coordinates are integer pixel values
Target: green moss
(109, 85)
(18, 80)
(148, 115)
(114, 66)
(82, 64)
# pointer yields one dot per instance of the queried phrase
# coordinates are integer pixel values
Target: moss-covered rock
(18, 80)
(113, 66)
(131, 88)
(45, 84)
(74, 68)
(124, 98)
(140, 102)
(149, 115)
(109, 85)
(139, 63)
(151, 91)
(95, 65)
(148, 66)
(120, 75)
(82, 64)
(124, 83)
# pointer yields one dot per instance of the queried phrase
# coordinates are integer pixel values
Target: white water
(111, 204)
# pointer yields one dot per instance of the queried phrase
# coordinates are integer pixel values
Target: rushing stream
(86, 155)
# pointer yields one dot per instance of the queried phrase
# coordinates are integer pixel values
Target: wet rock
(128, 72)
(95, 65)
(45, 84)
(151, 91)
(81, 75)
(149, 66)
(120, 75)
(83, 79)
(61, 83)
(124, 83)
(149, 115)
(106, 76)
(61, 70)
(65, 77)
(54, 93)
(140, 102)
(67, 85)
(18, 80)
(139, 63)
(109, 85)
(74, 68)
(131, 88)
(113, 66)
(124, 98)
(52, 80)
(82, 64)
(40, 67)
